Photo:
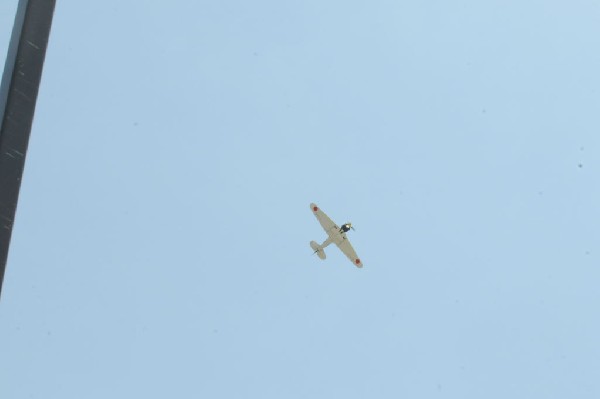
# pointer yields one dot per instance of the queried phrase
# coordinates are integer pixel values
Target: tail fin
(318, 249)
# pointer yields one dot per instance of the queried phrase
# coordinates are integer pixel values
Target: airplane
(337, 235)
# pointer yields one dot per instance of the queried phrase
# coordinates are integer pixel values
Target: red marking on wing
(315, 208)
(357, 261)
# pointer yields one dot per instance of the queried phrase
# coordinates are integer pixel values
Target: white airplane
(337, 235)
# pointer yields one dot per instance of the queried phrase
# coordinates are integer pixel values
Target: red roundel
(357, 261)
(315, 209)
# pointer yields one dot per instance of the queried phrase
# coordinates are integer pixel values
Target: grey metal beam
(18, 95)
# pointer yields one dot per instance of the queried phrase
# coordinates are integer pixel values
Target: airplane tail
(318, 249)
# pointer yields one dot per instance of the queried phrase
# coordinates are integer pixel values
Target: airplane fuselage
(336, 236)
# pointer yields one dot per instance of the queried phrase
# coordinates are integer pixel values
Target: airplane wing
(326, 223)
(347, 249)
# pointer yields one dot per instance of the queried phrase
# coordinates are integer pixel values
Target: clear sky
(161, 246)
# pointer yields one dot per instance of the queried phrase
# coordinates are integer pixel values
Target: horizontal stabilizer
(318, 249)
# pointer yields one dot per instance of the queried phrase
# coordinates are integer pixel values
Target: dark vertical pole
(18, 94)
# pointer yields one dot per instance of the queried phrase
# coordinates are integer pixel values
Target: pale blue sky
(161, 242)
